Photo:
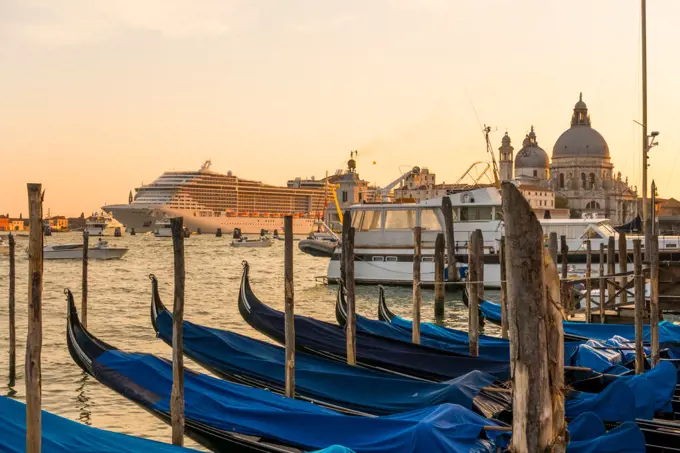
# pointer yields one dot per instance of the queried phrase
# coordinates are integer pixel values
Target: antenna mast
(489, 149)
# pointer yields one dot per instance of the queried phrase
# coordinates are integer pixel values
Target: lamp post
(650, 142)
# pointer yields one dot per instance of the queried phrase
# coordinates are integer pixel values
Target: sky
(100, 96)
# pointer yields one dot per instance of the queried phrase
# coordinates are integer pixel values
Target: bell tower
(505, 161)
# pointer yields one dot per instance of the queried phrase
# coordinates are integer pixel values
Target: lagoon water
(118, 313)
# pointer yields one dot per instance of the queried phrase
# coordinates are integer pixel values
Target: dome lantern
(581, 140)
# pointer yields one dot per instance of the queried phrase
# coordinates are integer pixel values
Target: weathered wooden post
(654, 300)
(565, 291)
(290, 305)
(649, 227)
(639, 307)
(33, 370)
(83, 309)
(473, 290)
(439, 283)
(589, 265)
(504, 288)
(603, 286)
(12, 311)
(177, 395)
(552, 246)
(447, 211)
(537, 423)
(611, 266)
(350, 286)
(417, 288)
(346, 225)
(623, 266)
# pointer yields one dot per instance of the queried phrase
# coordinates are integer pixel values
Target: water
(119, 297)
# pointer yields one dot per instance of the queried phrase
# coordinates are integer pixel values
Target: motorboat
(96, 225)
(162, 229)
(242, 241)
(100, 251)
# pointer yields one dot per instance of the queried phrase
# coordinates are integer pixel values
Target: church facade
(580, 170)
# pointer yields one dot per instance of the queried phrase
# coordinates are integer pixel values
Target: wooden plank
(289, 301)
(639, 307)
(447, 212)
(12, 313)
(439, 285)
(33, 372)
(177, 394)
(504, 288)
(83, 306)
(654, 300)
(350, 285)
(533, 416)
(417, 289)
(473, 290)
(603, 286)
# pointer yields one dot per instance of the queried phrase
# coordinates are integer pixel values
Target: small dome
(506, 140)
(531, 155)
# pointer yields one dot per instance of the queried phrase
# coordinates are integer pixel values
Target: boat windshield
(403, 219)
(429, 220)
(366, 220)
(606, 228)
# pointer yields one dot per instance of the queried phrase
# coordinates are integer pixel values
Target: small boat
(162, 229)
(96, 225)
(242, 241)
(99, 251)
(224, 416)
(61, 435)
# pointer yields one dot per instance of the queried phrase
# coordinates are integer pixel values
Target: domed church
(581, 170)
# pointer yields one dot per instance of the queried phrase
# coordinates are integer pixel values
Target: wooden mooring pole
(177, 395)
(589, 265)
(447, 211)
(552, 246)
(611, 266)
(536, 406)
(417, 288)
(439, 283)
(33, 371)
(290, 305)
(565, 293)
(83, 309)
(474, 246)
(623, 266)
(603, 285)
(654, 300)
(504, 289)
(12, 313)
(639, 307)
(350, 286)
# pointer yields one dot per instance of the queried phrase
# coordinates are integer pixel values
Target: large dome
(581, 140)
(531, 155)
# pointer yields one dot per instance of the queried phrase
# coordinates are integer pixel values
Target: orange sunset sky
(100, 96)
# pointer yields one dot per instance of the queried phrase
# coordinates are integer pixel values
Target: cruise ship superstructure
(208, 200)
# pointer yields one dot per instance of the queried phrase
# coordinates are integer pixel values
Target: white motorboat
(162, 229)
(96, 225)
(245, 242)
(99, 251)
(384, 238)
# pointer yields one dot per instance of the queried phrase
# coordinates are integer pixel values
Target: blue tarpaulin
(352, 387)
(588, 435)
(236, 408)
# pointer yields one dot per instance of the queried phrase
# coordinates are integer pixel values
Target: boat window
(429, 220)
(671, 246)
(405, 219)
(468, 214)
(371, 221)
(428, 259)
(391, 259)
(357, 217)
(378, 258)
(591, 233)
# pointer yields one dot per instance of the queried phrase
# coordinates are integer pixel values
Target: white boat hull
(92, 253)
(255, 243)
(91, 231)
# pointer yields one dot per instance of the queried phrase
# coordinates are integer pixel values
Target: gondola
(328, 340)
(248, 419)
(61, 435)
(256, 363)
(669, 333)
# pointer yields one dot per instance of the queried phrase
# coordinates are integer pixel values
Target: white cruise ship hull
(143, 220)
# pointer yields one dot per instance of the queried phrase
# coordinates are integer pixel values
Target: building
(580, 170)
(18, 224)
(57, 223)
(4, 222)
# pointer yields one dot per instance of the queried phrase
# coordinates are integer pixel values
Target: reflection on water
(118, 313)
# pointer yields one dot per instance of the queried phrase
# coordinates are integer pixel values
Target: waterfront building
(581, 171)
(4, 222)
(57, 223)
(19, 224)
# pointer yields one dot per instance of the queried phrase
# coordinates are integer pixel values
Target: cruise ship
(208, 200)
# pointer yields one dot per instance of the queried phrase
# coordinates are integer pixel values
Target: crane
(384, 192)
(489, 149)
